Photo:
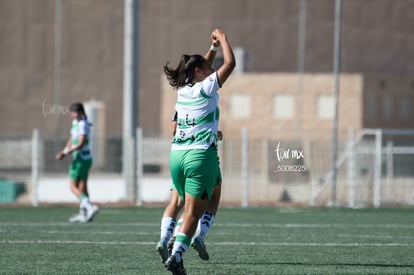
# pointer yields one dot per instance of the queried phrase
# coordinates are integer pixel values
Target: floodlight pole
(337, 65)
(56, 71)
(130, 87)
(300, 65)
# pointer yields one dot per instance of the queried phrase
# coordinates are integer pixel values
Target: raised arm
(228, 57)
(211, 54)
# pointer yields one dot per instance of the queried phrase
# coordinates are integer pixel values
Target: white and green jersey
(80, 128)
(197, 115)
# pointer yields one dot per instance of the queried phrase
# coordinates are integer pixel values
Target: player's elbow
(233, 63)
(230, 64)
(229, 67)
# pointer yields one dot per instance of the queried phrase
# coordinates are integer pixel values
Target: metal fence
(374, 168)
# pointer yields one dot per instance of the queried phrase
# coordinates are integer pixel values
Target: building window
(283, 106)
(372, 106)
(240, 106)
(387, 107)
(325, 106)
(404, 107)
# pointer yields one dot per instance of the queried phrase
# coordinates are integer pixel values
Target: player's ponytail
(78, 108)
(183, 74)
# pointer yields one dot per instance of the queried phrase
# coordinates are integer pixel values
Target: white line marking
(314, 244)
(74, 224)
(213, 243)
(375, 236)
(311, 225)
(74, 242)
(230, 225)
(81, 231)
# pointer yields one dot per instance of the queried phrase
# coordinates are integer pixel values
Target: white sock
(167, 227)
(177, 227)
(86, 203)
(181, 244)
(204, 224)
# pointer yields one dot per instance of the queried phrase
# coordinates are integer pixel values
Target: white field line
(312, 225)
(67, 224)
(84, 232)
(216, 233)
(376, 236)
(229, 225)
(213, 243)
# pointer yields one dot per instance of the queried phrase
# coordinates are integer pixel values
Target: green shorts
(194, 172)
(79, 169)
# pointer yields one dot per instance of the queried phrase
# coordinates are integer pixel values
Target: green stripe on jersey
(203, 94)
(193, 102)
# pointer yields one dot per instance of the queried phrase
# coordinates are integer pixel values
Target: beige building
(274, 107)
(278, 114)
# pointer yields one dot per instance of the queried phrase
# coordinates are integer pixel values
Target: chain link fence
(266, 172)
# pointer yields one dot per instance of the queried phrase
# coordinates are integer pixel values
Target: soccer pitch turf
(242, 241)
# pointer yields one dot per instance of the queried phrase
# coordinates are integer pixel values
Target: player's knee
(215, 196)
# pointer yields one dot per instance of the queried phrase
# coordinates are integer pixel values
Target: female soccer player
(168, 221)
(193, 157)
(77, 145)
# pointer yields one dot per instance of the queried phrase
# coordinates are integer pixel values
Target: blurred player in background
(168, 221)
(77, 145)
(193, 157)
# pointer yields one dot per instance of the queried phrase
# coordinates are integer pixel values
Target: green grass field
(242, 241)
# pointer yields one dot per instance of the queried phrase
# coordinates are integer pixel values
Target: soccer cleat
(91, 213)
(198, 244)
(162, 251)
(175, 268)
(170, 245)
(79, 218)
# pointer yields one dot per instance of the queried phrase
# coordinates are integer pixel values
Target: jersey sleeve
(210, 85)
(83, 128)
